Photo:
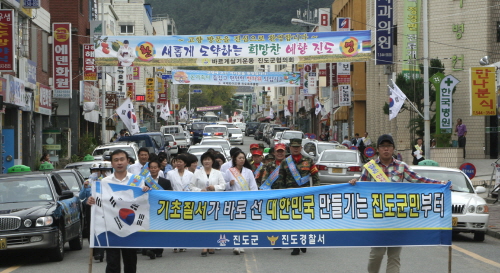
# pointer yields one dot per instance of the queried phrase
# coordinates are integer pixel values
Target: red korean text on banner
(62, 60)
(6, 40)
(89, 68)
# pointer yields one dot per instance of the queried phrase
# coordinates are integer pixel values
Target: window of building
(45, 50)
(126, 29)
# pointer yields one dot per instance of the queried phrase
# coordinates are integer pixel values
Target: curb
(493, 233)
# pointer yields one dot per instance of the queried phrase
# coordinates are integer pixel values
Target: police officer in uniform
(297, 171)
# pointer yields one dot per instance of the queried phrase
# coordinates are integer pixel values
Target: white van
(180, 137)
(215, 131)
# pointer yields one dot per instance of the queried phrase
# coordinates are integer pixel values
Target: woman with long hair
(240, 178)
(207, 179)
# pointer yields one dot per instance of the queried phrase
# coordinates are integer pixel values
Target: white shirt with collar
(137, 167)
(200, 180)
(247, 175)
(179, 183)
(112, 179)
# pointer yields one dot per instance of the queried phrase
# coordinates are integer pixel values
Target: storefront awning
(342, 113)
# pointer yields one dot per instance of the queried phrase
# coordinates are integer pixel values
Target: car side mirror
(480, 189)
(66, 195)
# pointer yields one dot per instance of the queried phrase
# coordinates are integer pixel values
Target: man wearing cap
(125, 55)
(297, 171)
(257, 164)
(391, 170)
(270, 172)
(253, 147)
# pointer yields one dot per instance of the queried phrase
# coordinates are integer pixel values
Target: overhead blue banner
(236, 78)
(234, 49)
(367, 214)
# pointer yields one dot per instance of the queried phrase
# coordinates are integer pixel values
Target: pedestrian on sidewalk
(417, 151)
(461, 131)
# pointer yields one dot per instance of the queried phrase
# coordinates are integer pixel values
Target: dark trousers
(129, 260)
(461, 142)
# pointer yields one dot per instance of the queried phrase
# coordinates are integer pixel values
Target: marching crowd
(274, 171)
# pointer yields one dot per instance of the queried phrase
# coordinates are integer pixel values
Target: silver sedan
(236, 135)
(339, 166)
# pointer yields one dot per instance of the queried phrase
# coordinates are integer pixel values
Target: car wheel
(77, 243)
(57, 253)
(479, 236)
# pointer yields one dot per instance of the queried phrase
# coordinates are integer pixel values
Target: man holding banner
(387, 169)
(297, 171)
(119, 162)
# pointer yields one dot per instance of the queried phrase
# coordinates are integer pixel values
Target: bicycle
(494, 191)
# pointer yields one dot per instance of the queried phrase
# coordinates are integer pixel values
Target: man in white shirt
(119, 161)
(140, 165)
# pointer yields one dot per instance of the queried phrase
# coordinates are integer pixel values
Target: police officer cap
(95, 166)
(295, 142)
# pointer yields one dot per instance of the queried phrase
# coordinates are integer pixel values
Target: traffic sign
(166, 77)
(369, 151)
(469, 169)
(197, 91)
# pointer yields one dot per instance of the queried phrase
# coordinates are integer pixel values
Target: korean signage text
(6, 40)
(384, 25)
(483, 91)
(89, 68)
(62, 60)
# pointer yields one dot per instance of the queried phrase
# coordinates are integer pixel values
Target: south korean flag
(121, 210)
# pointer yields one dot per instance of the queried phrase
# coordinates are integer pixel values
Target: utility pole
(103, 86)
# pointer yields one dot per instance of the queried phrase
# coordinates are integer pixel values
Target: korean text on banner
(89, 68)
(384, 29)
(404, 214)
(411, 14)
(483, 91)
(7, 45)
(236, 78)
(45, 99)
(239, 49)
(62, 60)
(344, 95)
(446, 102)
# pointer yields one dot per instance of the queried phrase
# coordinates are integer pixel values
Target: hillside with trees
(234, 16)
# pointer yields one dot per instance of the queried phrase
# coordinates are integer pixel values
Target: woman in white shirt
(180, 178)
(207, 179)
(240, 178)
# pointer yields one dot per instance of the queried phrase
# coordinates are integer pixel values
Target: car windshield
(175, 131)
(290, 135)
(83, 168)
(224, 144)
(210, 119)
(202, 149)
(71, 180)
(221, 129)
(198, 126)
(458, 180)
(129, 150)
(326, 146)
(336, 156)
(24, 189)
(157, 139)
(278, 135)
(234, 131)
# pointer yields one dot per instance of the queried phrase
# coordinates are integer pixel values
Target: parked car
(260, 131)
(197, 131)
(172, 144)
(266, 135)
(251, 127)
(289, 134)
(142, 141)
(219, 131)
(339, 166)
(272, 132)
(314, 148)
(82, 167)
(42, 214)
(469, 210)
(130, 147)
(236, 135)
(178, 132)
(275, 139)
